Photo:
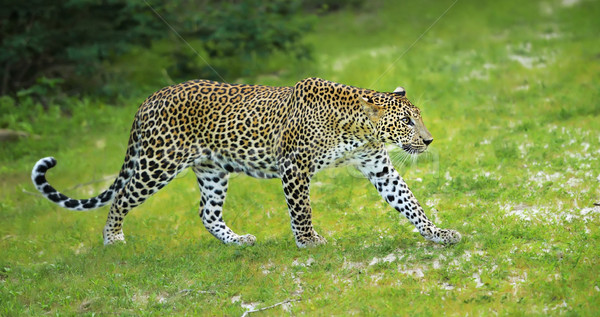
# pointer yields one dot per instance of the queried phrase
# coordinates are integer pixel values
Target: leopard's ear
(373, 111)
(400, 91)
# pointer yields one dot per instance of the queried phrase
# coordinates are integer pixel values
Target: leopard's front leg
(296, 187)
(394, 190)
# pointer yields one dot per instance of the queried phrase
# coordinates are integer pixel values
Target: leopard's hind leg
(146, 180)
(213, 182)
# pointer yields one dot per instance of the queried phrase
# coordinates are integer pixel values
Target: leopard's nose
(428, 141)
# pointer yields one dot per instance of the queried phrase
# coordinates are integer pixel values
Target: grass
(510, 92)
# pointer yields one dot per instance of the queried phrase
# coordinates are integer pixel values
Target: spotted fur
(266, 132)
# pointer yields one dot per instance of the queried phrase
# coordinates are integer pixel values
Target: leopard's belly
(263, 165)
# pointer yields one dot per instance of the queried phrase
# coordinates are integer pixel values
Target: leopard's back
(235, 126)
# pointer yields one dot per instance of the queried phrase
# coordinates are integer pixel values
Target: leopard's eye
(406, 120)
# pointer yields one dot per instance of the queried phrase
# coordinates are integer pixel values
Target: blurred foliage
(325, 6)
(230, 37)
(77, 46)
(68, 40)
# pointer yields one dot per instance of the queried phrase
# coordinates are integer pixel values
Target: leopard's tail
(38, 176)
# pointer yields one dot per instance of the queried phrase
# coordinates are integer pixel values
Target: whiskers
(401, 157)
(419, 164)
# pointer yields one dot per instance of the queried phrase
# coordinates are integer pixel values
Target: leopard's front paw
(246, 239)
(443, 236)
(449, 236)
(310, 241)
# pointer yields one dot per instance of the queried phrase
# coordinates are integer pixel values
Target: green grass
(510, 92)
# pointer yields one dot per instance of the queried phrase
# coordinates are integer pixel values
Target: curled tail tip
(38, 173)
(44, 164)
(39, 170)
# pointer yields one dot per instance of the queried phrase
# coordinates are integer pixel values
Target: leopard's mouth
(410, 149)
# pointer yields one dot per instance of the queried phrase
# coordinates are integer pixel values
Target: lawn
(511, 93)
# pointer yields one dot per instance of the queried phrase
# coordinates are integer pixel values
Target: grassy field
(511, 93)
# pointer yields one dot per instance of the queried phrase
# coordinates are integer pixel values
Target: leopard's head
(397, 121)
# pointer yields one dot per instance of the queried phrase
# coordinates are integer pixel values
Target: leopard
(291, 133)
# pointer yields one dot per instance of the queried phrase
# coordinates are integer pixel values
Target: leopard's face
(399, 122)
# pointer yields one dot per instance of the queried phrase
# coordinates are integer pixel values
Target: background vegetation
(509, 89)
(73, 44)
